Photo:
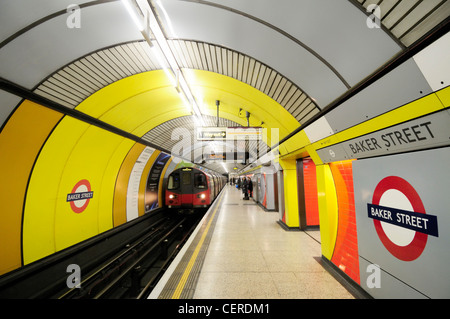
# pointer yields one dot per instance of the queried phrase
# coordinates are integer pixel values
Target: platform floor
(240, 252)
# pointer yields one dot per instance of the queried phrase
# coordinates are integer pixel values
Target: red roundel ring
(414, 249)
(80, 209)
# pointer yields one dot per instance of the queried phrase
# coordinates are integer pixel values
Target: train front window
(186, 177)
(200, 180)
(174, 181)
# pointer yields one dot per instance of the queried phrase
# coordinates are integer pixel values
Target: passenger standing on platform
(250, 187)
(245, 187)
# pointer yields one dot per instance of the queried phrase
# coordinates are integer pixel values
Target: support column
(290, 216)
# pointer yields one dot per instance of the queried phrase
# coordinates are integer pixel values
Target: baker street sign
(422, 133)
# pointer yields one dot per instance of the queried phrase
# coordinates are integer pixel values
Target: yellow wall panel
(87, 161)
(42, 196)
(138, 109)
(444, 96)
(290, 192)
(328, 209)
(74, 153)
(108, 97)
(20, 142)
(296, 142)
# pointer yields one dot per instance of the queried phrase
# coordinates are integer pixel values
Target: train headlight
(202, 196)
(171, 196)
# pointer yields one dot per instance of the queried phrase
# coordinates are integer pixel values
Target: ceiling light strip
(145, 19)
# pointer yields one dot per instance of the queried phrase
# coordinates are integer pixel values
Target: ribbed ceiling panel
(82, 78)
(409, 20)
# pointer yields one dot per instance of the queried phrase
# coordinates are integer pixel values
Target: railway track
(134, 272)
(125, 262)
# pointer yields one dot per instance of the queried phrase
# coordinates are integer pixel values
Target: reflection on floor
(251, 256)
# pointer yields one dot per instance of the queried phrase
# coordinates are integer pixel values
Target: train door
(187, 189)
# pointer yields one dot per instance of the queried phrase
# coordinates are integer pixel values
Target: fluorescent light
(133, 15)
(161, 60)
(163, 53)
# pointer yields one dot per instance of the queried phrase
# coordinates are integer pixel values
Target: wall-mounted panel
(434, 62)
(404, 84)
(401, 205)
(318, 130)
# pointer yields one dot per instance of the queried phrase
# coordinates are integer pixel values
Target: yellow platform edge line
(187, 272)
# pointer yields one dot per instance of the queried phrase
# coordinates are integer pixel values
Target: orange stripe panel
(20, 143)
(345, 254)
(311, 197)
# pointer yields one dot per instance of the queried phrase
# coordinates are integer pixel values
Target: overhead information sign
(230, 133)
(211, 133)
(244, 133)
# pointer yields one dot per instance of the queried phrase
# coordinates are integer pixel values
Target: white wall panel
(434, 62)
(213, 25)
(7, 104)
(400, 86)
(44, 49)
(336, 30)
(18, 14)
(318, 130)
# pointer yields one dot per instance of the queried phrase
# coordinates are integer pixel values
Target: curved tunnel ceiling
(283, 62)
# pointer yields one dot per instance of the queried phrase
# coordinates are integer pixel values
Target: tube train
(189, 188)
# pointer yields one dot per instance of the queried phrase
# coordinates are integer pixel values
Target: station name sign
(423, 223)
(79, 196)
(428, 131)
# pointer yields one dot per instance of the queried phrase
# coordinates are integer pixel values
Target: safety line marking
(187, 271)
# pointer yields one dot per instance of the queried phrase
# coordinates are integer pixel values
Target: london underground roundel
(80, 196)
(400, 219)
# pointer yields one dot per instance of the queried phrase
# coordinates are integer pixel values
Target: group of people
(246, 185)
